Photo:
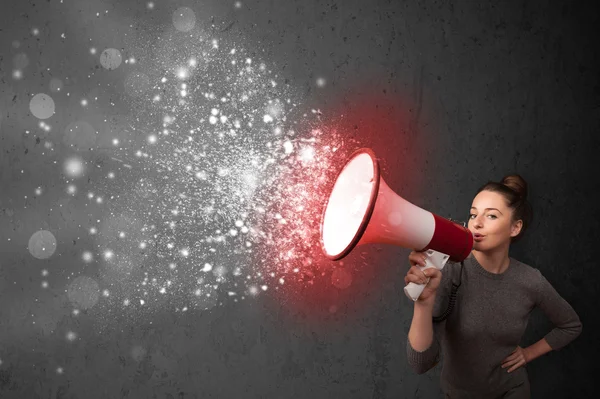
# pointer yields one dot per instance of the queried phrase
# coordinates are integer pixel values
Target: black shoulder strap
(452, 301)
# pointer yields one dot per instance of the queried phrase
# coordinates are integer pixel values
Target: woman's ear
(516, 228)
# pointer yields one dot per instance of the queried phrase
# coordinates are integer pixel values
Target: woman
(479, 339)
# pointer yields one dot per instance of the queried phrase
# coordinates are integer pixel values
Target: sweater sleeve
(423, 361)
(567, 325)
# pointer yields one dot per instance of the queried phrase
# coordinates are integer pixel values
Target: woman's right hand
(431, 276)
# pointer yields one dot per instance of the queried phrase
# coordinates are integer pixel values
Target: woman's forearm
(420, 334)
(536, 350)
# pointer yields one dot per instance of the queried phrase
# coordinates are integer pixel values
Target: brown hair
(514, 189)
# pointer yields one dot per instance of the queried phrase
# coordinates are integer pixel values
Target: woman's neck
(494, 262)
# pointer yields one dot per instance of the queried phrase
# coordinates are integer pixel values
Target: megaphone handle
(412, 290)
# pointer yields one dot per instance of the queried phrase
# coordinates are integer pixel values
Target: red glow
(312, 284)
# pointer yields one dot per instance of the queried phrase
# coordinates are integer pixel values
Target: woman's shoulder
(526, 273)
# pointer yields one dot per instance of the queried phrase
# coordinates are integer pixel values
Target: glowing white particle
(93, 230)
(320, 82)
(108, 254)
(44, 284)
(307, 154)
(223, 119)
(121, 234)
(183, 93)
(253, 290)
(281, 281)
(93, 50)
(71, 336)
(99, 200)
(84, 102)
(60, 370)
(75, 312)
(163, 80)
(74, 167)
(185, 252)
(215, 44)
(248, 61)
(212, 120)
(87, 256)
(267, 118)
(172, 266)
(239, 223)
(207, 267)
(44, 272)
(38, 191)
(143, 245)
(192, 62)
(162, 290)
(111, 175)
(71, 189)
(150, 5)
(152, 139)
(105, 293)
(115, 141)
(156, 98)
(244, 229)
(233, 232)
(223, 172)
(263, 287)
(17, 74)
(288, 147)
(126, 302)
(182, 73)
(35, 31)
(142, 302)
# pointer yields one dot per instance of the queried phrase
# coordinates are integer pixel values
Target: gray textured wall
(448, 96)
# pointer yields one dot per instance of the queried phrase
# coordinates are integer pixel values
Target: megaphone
(362, 209)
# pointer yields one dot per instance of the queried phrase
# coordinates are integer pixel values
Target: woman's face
(490, 221)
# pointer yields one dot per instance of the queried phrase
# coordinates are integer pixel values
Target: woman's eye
(470, 216)
(492, 216)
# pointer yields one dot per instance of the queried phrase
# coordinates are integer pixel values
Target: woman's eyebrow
(488, 209)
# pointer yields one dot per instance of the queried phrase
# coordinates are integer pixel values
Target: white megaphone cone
(362, 209)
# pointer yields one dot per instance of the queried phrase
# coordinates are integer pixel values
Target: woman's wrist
(425, 304)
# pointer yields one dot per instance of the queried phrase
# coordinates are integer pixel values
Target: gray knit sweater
(486, 325)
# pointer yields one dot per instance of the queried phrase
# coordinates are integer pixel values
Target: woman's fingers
(417, 258)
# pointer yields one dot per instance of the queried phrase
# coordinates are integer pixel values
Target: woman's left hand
(516, 359)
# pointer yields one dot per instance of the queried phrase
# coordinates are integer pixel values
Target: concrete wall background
(464, 94)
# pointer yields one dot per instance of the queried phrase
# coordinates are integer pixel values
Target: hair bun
(517, 184)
